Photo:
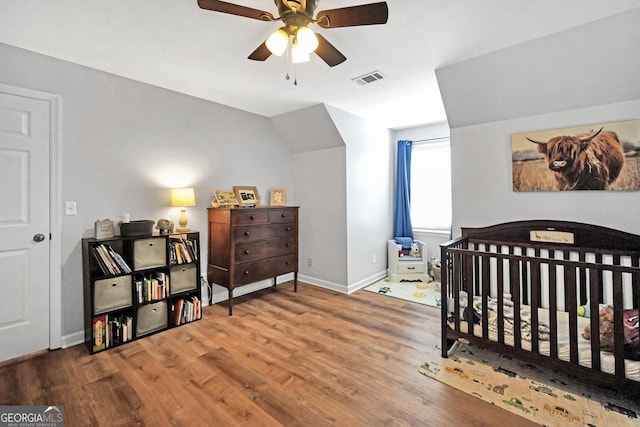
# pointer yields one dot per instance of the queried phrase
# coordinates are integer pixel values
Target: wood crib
(538, 274)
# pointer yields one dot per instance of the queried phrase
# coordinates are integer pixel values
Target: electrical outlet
(309, 262)
(373, 259)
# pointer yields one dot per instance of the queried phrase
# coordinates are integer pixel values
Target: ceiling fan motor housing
(307, 7)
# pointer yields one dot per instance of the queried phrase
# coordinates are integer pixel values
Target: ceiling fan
(296, 16)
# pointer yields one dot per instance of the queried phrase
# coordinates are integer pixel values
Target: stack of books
(186, 310)
(183, 251)
(152, 287)
(109, 330)
(110, 262)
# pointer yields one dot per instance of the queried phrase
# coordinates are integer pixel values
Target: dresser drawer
(270, 267)
(183, 278)
(149, 253)
(265, 249)
(261, 232)
(410, 267)
(111, 294)
(249, 216)
(283, 215)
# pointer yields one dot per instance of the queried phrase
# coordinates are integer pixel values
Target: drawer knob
(288, 228)
(288, 244)
(246, 233)
(287, 263)
(246, 251)
(283, 215)
(252, 217)
(246, 272)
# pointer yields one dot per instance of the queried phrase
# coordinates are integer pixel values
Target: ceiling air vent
(368, 78)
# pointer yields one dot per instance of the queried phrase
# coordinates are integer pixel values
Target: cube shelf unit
(139, 285)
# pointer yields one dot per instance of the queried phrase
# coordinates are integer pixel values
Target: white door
(24, 225)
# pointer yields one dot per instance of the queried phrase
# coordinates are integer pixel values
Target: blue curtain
(402, 200)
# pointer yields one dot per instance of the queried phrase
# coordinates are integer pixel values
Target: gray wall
(369, 191)
(125, 143)
(586, 75)
(344, 183)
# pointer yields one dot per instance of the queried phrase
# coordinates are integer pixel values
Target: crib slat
(572, 307)
(514, 269)
(618, 326)
(486, 291)
(500, 301)
(536, 288)
(594, 313)
(553, 306)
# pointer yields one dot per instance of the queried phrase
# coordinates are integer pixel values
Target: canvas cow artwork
(598, 157)
(590, 161)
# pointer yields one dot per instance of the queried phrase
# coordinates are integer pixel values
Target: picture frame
(247, 196)
(224, 198)
(278, 197)
(104, 229)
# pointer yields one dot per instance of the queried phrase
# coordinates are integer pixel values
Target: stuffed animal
(606, 329)
(415, 250)
(631, 323)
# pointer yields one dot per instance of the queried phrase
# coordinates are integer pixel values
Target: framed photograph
(247, 196)
(278, 197)
(562, 159)
(222, 198)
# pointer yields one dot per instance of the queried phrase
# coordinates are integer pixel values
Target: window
(431, 185)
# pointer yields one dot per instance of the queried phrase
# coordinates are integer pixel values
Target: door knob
(38, 237)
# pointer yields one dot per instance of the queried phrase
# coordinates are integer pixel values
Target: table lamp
(182, 198)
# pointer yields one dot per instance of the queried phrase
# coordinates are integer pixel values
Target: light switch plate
(70, 208)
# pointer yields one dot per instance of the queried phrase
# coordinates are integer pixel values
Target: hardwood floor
(312, 358)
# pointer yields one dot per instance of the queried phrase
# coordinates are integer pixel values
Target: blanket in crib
(507, 316)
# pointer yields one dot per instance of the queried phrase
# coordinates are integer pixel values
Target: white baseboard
(72, 339)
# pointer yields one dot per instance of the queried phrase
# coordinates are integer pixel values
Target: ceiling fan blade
(365, 14)
(235, 9)
(261, 53)
(328, 52)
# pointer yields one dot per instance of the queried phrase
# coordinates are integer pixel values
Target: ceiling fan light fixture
(298, 54)
(277, 42)
(306, 39)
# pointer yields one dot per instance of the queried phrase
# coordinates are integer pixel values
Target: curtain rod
(430, 139)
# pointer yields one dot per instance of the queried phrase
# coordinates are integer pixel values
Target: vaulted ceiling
(176, 45)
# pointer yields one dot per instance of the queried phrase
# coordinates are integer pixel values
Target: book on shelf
(152, 286)
(183, 250)
(119, 329)
(98, 328)
(186, 310)
(109, 261)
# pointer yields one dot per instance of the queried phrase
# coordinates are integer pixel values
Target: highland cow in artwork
(590, 161)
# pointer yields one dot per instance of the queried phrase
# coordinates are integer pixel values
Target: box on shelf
(142, 227)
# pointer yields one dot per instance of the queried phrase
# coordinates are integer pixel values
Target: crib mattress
(607, 360)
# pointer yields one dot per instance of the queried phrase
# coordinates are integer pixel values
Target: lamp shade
(277, 42)
(306, 39)
(298, 54)
(182, 197)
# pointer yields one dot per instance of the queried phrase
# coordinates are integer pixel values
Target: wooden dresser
(247, 245)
